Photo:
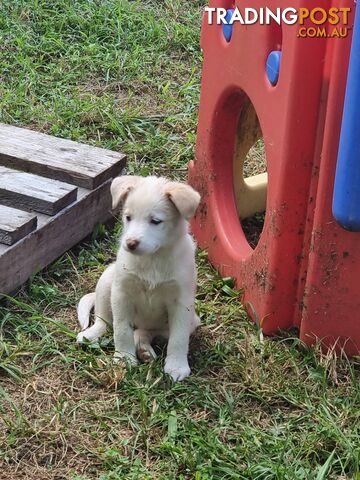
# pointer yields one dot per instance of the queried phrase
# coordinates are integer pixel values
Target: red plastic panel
(288, 115)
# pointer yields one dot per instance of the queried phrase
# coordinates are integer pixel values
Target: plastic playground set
(302, 96)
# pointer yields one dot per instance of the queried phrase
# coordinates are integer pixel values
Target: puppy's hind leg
(103, 320)
(103, 314)
(195, 322)
(93, 333)
(144, 350)
(84, 308)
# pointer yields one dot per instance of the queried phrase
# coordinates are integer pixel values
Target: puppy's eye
(154, 221)
(128, 218)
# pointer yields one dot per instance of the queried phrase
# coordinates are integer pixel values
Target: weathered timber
(14, 225)
(31, 192)
(71, 162)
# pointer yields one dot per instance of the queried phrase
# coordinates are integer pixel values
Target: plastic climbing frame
(265, 81)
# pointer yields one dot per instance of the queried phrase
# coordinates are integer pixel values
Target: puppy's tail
(84, 308)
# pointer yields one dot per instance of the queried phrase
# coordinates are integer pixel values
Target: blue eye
(153, 221)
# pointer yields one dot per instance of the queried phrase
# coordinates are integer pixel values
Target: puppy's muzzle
(132, 244)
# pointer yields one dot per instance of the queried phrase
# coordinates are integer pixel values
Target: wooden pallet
(52, 194)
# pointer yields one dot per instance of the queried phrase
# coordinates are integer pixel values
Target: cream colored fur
(150, 290)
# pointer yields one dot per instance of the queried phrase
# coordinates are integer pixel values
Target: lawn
(126, 76)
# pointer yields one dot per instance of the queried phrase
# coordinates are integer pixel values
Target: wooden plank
(64, 160)
(53, 237)
(15, 224)
(31, 192)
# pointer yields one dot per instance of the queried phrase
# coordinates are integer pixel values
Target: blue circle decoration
(228, 28)
(273, 66)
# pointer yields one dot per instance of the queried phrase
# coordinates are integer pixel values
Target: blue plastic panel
(227, 28)
(346, 202)
(273, 66)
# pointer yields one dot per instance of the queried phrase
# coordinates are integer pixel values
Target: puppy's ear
(120, 187)
(184, 197)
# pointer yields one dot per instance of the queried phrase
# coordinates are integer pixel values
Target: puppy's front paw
(126, 358)
(177, 369)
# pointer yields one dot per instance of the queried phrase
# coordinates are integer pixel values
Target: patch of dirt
(50, 428)
(252, 228)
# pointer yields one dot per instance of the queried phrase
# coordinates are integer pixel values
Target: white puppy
(149, 291)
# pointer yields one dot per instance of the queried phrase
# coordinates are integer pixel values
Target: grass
(125, 75)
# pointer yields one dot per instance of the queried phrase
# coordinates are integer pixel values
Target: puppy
(150, 290)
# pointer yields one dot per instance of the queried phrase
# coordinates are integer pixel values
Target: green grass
(125, 75)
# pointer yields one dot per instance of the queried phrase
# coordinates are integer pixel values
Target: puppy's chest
(151, 280)
(150, 298)
(147, 273)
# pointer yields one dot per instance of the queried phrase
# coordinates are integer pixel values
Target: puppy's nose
(132, 243)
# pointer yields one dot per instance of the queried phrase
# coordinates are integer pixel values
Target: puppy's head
(155, 211)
